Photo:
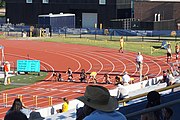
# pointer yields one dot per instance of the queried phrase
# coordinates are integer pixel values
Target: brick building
(165, 14)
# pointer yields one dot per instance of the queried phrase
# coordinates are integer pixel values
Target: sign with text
(28, 65)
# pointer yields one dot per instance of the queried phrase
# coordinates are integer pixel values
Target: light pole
(8, 26)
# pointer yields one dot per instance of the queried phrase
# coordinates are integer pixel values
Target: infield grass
(22, 80)
(133, 44)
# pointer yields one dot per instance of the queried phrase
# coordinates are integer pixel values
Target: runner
(121, 44)
(92, 77)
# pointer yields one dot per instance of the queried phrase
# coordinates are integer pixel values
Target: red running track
(59, 56)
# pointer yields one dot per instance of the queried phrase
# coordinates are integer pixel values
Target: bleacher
(141, 88)
(165, 98)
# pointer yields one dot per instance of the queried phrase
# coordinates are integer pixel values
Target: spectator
(70, 76)
(15, 115)
(126, 78)
(92, 77)
(177, 51)
(35, 116)
(153, 99)
(18, 106)
(164, 78)
(64, 106)
(118, 80)
(107, 79)
(83, 76)
(122, 92)
(177, 71)
(170, 78)
(99, 105)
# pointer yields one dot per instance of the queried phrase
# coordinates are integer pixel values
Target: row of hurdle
(34, 98)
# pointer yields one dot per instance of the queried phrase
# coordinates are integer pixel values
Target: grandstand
(133, 108)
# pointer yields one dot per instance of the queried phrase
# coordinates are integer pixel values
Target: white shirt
(169, 50)
(122, 91)
(126, 78)
(139, 58)
(26, 112)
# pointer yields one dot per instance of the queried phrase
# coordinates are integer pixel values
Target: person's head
(153, 99)
(169, 45)
(15, 115)
(66, 100)
(169, 71)
(83, 70)
(125, 73)
(17, 105)
(106, 75)
(35, 116)
(139, 53)
(98, 97)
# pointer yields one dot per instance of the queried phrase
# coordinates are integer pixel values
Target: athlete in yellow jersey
(121, 44)
(92, 77)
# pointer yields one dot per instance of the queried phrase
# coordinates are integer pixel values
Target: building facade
(165, 14)
(87, 12)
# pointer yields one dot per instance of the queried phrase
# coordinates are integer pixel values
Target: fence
(34, 99)
(91, 33)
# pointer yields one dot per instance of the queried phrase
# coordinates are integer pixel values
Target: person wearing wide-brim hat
(101, 103)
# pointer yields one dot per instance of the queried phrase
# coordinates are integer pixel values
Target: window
(45, 1)
(28, 1)
(102, 2)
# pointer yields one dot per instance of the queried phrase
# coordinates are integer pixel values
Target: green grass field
(22, 80)
(134, 44)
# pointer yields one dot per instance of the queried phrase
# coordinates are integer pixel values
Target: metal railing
(147, 110)
(144, 94)
(136, 115)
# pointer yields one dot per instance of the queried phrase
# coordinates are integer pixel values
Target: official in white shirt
(139, 61)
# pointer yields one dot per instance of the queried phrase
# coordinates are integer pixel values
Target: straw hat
(98, 97)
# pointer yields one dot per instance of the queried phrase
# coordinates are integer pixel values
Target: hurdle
(153, 50)
(35, 100)
(50, 101)
(5, 99)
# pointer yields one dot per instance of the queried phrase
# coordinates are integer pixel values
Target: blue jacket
(100, 115)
